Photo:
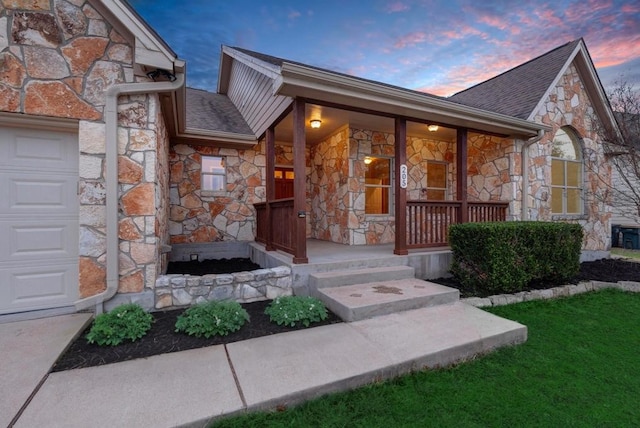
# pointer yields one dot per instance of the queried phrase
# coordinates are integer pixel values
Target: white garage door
(38, 219)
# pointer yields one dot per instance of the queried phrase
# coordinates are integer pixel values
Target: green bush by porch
(494, 258)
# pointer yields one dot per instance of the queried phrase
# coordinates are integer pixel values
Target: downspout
(525, 173)
(111, 180)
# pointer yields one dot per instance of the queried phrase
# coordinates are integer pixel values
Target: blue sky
(435, 46)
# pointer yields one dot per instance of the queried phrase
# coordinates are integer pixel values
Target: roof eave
(150, 50)
(300, 81)
(218, 138)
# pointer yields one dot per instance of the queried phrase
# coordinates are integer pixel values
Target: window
(436, 181)
(566, 174)
(213, 174)
(377, 179)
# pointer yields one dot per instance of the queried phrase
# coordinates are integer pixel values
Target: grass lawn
(579, 368)
(632, 254)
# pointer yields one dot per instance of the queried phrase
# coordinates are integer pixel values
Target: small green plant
(289, 310)
(212, 318)
(126, 322)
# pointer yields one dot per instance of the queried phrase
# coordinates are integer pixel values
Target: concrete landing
(360, 301)
(28, 350)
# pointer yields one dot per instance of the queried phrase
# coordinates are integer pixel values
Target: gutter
(525, 173)
(111, 180)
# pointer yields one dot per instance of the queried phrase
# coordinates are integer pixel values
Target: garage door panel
(38, 193)
(26, 148)
(37, 288)
(38, 219)
(35, 240)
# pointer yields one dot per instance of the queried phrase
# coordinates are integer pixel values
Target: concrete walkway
(191, 388)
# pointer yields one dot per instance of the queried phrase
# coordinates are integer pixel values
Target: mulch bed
(162, 338)
(607, 270)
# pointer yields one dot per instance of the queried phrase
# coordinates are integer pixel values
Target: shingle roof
(279, 61)
(518, 91)
(214, 112)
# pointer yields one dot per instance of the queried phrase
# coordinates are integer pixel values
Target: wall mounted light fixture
(367, 160)
(315, 123)
(432, 128)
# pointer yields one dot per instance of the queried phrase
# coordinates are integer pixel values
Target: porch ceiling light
(432, 128)
(315, 123)
(367, 160)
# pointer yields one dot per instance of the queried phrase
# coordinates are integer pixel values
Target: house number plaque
(403, 176)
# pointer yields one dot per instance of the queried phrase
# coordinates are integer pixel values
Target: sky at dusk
(440, 47)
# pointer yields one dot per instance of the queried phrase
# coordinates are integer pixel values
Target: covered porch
(433, 175)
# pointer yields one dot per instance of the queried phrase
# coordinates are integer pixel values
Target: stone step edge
(550, 293)
(445, 296)
(354, 276)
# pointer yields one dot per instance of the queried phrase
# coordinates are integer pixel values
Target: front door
(284, 182)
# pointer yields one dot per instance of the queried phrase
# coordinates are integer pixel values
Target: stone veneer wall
(494, 171)
(262, 284)
(569, 105)
(57, 58)
(196, 216)
(366, 229)
(329, 194)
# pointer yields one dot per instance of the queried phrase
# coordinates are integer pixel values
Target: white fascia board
(270, 70)
(312, 83)
(149, 49)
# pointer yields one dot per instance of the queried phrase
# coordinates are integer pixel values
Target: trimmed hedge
(504, 257)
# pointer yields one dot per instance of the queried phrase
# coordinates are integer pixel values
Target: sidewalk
(191, 388)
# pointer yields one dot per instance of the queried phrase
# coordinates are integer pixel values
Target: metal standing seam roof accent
(211, 111)
(518, 91)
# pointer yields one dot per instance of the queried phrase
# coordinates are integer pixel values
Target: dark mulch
(162, 339)
(608, 270)
(205, 267)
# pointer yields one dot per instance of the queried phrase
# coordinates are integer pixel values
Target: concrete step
(361, 301)
(358, 276)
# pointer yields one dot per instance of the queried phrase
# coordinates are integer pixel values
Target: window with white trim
(566, 174)
(377, 185)
(436, 181)
(213, 174)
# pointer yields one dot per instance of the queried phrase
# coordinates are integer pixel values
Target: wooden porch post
(461, 173)
(401, 194)
(270, 153)
(299, 184)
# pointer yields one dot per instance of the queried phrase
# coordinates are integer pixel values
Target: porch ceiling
(334, 118)
(341, 90)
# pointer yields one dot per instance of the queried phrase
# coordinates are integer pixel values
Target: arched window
(566, 174)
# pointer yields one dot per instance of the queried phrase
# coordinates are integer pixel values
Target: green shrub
(126, 322)
(289, 310)
(212, 319)
(503, 257)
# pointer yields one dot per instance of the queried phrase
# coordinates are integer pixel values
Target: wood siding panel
(250, 92)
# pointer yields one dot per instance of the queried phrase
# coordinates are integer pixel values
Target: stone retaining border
(551, 293)
(177, 290)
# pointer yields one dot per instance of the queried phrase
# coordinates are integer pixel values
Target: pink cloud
(615, 51)
(411, 39)
(463, 32)
(630, 8)
(397, 6)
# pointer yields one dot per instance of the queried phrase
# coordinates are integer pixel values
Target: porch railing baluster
(428, 221)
